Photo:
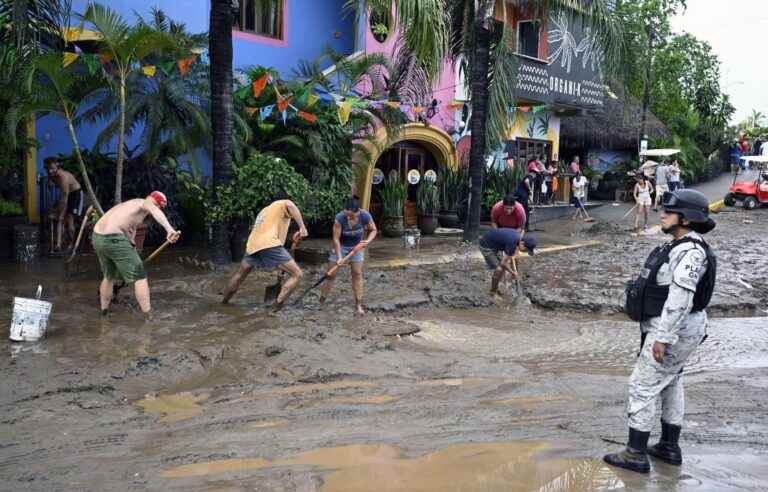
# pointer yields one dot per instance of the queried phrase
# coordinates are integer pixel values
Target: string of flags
(93, 61)
(345, 106)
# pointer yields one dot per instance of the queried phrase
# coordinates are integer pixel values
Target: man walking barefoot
(265, 248)
(113, 242)
(71, 201)
(670, 301)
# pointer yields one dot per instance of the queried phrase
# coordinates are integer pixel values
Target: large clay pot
(392, 226)
(449, 219)
(427, 224)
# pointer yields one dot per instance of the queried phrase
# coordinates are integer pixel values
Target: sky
(737, 30)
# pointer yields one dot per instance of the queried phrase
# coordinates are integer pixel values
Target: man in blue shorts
(499, 247)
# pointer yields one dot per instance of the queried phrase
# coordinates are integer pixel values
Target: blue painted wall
(312, 25)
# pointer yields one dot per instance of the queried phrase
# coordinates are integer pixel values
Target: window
(262, 17)
(528, 38)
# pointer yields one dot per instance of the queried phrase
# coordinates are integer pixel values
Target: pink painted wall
(443, 89)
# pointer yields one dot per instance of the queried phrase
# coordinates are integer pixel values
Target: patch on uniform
(689, 270)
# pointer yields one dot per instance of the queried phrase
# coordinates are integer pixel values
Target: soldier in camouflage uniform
(669, 338)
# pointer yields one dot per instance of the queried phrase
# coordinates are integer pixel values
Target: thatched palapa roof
(617, 128)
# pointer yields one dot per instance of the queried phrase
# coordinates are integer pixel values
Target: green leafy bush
(9, 208)
(255, 184)
(451, 184)
(498, 183)
(393, 195)
(428, 200)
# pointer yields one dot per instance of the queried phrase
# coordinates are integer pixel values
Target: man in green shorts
(113, 237)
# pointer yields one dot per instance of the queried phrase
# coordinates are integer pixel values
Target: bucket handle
(39, 292)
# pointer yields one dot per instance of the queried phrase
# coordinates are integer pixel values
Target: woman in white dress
(642, 194)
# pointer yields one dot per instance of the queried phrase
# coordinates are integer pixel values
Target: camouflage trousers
(651, 380)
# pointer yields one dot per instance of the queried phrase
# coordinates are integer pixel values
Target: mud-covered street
(438, 387)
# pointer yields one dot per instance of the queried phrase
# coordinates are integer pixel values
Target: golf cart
(751, 186)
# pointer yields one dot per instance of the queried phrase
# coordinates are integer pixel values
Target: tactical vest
(645, 298)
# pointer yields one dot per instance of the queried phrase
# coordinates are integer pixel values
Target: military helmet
(691, 205)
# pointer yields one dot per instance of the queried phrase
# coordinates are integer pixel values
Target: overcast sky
(738, 33)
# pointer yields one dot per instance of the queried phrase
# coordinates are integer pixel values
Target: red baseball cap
(159, 198)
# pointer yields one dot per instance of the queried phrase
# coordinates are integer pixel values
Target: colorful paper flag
(69, 59)
(283, 102)
(184, 65)
(393, 104)
(524, 109)
(105, 58)
(455, 104)
(149, 70)
(307, 116)
(418, 109)
(405, 108)
(377, 104)
(259, 85)
(266, 111)
(167, 67)
(312, 100)
(344, 111)
(250, 111)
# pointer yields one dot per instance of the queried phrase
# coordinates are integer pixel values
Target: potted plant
(451, 183)
(393, 195)
(428, 206)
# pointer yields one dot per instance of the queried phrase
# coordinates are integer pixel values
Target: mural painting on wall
(607, 160)
(534, 125)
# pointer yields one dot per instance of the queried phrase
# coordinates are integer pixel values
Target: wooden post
(31, 203)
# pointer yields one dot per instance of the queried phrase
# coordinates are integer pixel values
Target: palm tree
(63, 91)
(124, 47)
(755, 119)
(222, 112)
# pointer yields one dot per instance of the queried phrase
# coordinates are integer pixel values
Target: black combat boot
(634, 457)
(668, 450)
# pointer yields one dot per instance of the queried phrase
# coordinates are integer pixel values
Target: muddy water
(436, 380)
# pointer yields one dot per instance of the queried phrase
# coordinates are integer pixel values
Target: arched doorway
(416, 146)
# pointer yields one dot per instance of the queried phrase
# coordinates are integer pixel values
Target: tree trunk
(220, 51)
(83, 170)
(647, 81)
(120, 145)
(477, 124)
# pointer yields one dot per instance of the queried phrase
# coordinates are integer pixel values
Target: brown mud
(438, 387)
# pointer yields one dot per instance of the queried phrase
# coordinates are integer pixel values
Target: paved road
(714, 190)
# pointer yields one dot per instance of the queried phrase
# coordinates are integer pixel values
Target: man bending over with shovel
(500, 247)
(113, 242)
(348, 230)
(265, 248)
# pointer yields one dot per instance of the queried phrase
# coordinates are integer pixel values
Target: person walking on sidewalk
(674, 176)
(499, 247)
(642, 193)
(113, 241)
(71, 200)
(662, 185)
(579, 193)
(350, 226)
(524, 193)
(265, 248)
(670, 301)
(509, 213)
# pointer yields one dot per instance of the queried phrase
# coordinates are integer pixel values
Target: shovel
(80, 234)
(272, 291)
(518, 288)
(331, 271)
(629, 212)
(116, 288)
(587, 218)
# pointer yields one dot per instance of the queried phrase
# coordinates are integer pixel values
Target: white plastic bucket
(30, 318)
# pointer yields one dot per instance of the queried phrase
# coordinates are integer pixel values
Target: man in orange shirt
(265, 248)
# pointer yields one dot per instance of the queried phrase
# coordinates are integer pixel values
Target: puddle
(269, 424)
(455, 382)
(526, 402)
(467, 467)
(174, 408)
(364, 400)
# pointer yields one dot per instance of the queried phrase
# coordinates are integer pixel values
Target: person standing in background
(673, 179)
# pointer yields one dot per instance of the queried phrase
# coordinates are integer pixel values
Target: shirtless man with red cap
(113, 238)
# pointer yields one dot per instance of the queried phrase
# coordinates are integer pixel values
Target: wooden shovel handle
(352, 253)
(80, 234)
(157, 251)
